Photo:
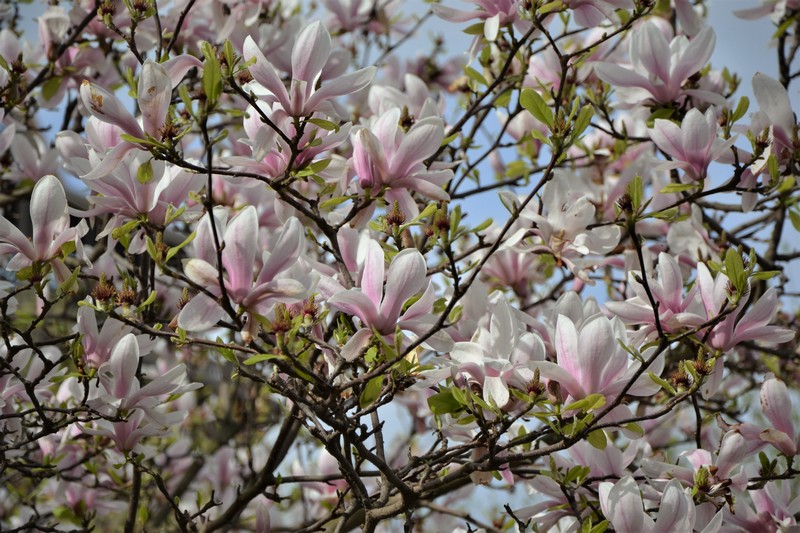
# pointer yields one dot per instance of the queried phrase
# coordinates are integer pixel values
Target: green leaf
(150, 299)
(324, 124)
(333, 202)
(666, 214)
(598, 439)
(68, 283)
(125, 229)
(582, 122)
(175, 249)
(556, 5)
(443, 403)
(734, 268)
(765, 274)
(144, 174)
(262, 357)
(212, 74)
(663, 383)
(635, 190)
(475, 75)
(51, 87)
(678, 187)
(536, 106)
(741, 109)
(371, 392)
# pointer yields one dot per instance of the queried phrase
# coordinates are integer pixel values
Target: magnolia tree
(242, 289)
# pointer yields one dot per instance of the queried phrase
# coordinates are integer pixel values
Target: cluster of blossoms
(242, 290)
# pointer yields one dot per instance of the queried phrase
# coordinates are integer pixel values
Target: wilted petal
(107, 108)
(155, 93)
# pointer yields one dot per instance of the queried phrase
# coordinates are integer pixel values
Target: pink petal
(347, 84)
(695, 56)
(773, 100)
(421, 141)
(239, 253)
(356, 303)
(652, 51)
(201, 313)
(310, 53)
(48, 214)
(373, 273)
(777, 405)
(405, 278)
(264, 74)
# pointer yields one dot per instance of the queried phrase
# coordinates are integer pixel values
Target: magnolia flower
(693, 145)
(241, 244)
(591, 361)
(775, 115)
(51, 230)
(731, 330)
(622, 504)
(125, 196)
(310, 56)
(154, 95)
(387, 156)
(591, 13)
(674, 309)
(500, 356)
(493, 13)
(659, 68)
(776, 404)
(380, 307)
(564, 226)
(99, 344)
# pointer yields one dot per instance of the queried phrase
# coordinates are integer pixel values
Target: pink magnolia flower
(591, 13)
(122, 194)
(310, 56)
(493, 13)
(776, 404)
(274, 282)
(693, 145)
(387, 156)
(622, 505)
(775, 114)
(591, 361)
(379, 307)
(675, 311)
(51, 230)
(773, 509)
(753, 326)
(499, 357)
(659, 68)
(154, 95)
(564, 226)
(98, 344)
